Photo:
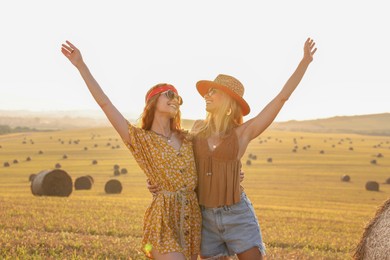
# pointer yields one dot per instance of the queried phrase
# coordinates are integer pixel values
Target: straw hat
(227, 84)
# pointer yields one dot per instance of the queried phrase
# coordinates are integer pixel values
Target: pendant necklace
(166, 137)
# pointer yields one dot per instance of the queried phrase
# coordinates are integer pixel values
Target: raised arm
(254, 127)
(114, 116)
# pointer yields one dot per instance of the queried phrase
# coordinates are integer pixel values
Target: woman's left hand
(309, 50)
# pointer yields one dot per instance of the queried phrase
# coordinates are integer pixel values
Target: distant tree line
(5, 129)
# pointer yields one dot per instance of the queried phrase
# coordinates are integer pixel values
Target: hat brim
(203, 87)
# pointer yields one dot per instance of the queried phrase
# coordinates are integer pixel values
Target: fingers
(314, 51)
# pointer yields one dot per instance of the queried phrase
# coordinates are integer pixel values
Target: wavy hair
(227, 116)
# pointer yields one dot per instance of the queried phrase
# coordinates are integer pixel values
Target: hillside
(374, 124)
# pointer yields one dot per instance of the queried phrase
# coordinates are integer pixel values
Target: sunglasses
(211, 92)
(172, 95)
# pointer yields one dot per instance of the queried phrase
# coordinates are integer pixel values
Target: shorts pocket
(238, 208)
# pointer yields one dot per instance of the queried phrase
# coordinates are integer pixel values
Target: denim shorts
(230, 230)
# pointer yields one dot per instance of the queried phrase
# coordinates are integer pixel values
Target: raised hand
(309, 50)
(72, 53)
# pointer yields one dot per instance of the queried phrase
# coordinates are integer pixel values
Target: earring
(229, 112)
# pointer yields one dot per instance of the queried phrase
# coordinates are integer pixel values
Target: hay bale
(379, 155)
(40, 152)
(116, 167)
(388, 181)
(94, 162)
(96, 145)
(92, 180)
(57, 166)
(351, 148)
(117, 172)
(15, 161)
(294, 150)
(64, 156)
(269, 160)
(83, 183)
(6, 164)
(248, 162)
(322, 152)
(254, 157)
(28, 159)
(113, 187)
(117, 146)
(372, 186)
(375, 241)
(52, 183)
(85, 148)
(345, 178)
(373, 162)
(31, 177)
(123, 171)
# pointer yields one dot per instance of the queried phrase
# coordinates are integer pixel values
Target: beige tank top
(218, 172)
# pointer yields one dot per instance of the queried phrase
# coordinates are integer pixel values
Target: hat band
(160, 90)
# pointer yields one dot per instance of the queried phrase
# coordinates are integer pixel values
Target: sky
(130, 46)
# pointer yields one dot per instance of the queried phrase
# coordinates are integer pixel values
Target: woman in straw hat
(172, 222)
(229, 223)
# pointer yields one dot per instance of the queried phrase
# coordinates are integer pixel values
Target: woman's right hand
(154, 189)
(72, 53)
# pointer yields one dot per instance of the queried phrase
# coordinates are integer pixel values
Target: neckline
(169, 141)
(216, 146)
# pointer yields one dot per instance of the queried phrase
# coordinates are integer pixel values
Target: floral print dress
(172, 222)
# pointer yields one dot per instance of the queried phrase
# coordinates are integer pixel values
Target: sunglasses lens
(171, 95)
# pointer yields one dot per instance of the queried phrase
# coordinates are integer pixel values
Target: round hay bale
(89, 176)
(372, 186)
(116, 167)
(57, 166)
(113, 147)
(254, 157)
(24, 142)
(108, 144)
(40, 152)
(85, 148)
(31, 177)
(96, 145)
(269, 160)
(248, 162)
(6, 164)
(345, 178)
(94, 162)
(379, 155)
(294, 150)
(64, 156)
(1, 146)
(28, 159)
(123, 171)
(113, 187)
(52, 183)
(322, 152)
(15, 161)
(375, 241)
(351, 148)
(117, 172)
(373, 162)
(388, 181)
(83, 183)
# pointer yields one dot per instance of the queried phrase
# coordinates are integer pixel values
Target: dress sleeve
(134, 138)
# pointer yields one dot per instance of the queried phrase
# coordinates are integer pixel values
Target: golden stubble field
(304, 210)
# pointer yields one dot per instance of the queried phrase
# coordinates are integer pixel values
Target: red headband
(160, 90)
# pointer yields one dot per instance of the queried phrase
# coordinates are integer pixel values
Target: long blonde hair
(147, 116)
(226, 117)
